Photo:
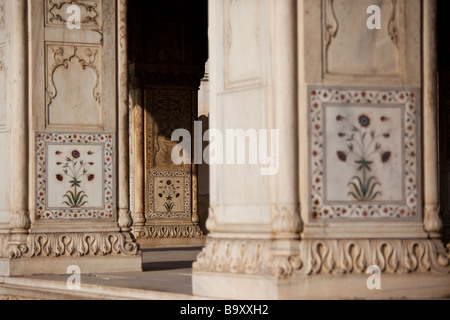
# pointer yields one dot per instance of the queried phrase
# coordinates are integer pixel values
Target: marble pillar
(254, 218)
(125, 220)
(69, 147)
(432, 220)
(347, 100)
(20, 221)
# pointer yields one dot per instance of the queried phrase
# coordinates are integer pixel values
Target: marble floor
(165, 270)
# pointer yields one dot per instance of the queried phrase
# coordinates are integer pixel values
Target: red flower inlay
(385, 157)
(342, 156)
(76, 154)
(364, 121)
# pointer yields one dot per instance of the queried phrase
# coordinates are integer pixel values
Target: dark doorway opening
(443, 28)
(168, 51)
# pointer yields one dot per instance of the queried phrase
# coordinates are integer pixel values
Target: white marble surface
(387, 134)
(358, 50)
(91, 181)
(4, 173)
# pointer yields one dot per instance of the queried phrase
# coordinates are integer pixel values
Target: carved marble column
(20, 221)
(432, 221)
(123, 197)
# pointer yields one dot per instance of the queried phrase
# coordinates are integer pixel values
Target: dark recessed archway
(444, 112)
(168, 50)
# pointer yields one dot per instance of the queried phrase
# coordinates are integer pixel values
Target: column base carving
(286, 222)
(125, 220)
(21, 222)
(138, 219)
(432, 221)
(211, 223)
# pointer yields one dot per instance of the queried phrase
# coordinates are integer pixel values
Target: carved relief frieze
(181, 231)
(355, 256)
(60, 56)
(79, 93)
(254, 257)
(344, 28)
(235, 256)
(57, 13)
(52, 245)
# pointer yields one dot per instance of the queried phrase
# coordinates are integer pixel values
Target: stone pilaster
(125, 220)
(20, 220)
(286, 222)
(432, 221)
